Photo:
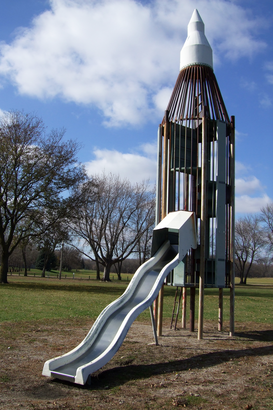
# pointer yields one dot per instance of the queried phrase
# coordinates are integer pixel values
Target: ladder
(176, 306)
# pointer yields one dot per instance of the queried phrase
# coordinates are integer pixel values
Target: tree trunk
(248, 270)
(119, 270)
(61, 262)
(25, 261)
(106, 273)
(98, 269)
(4, 267)
(242, 274)
(44, 267)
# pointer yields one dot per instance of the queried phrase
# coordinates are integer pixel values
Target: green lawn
(35, 298)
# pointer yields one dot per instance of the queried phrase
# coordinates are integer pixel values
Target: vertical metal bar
(164, 212)
(227, 176)
(165, 168)
(153, 325)
(186, 190)
(192, 309)
(159, 198)
(159, 176)
(203, 228)
(160, 311)
(183, 95)
(174, 305)
(185, 168)
(220, 310)
(178, 308)
(171, 172)
(174, 166)
(156, 311)
(184, 308)
(203, 96)
(173, 103)
(232, 225)
(179, 166)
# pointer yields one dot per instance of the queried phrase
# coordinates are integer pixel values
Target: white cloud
(249, 185)
(247, 204)
(240, 136)
(265, 100)
(269, 71)
(250, 86)
(250, 195)
(240, 167)
(162, 98)
(3, 113)
(120, 56)
(149, 149)
(132, 166)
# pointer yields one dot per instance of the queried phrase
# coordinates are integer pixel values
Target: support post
(159, 175)
(232, 226)
(165, 167)
(203, 223)
(220, 310)
(164, 210)
(160, 311)
(153, 325)
(155, 311)
(184, 307)
(192, 309)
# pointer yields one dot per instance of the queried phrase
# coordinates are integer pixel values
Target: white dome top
(196, 49)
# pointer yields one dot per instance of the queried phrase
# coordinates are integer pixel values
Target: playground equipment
(196, 173)
(172, 238)
(195, 177)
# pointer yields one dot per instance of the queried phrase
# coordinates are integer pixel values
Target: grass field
(41, 318)
(36, 298)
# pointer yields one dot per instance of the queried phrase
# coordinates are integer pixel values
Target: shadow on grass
(118, 376)
(261, 336)
(254, 292)
(42, 286)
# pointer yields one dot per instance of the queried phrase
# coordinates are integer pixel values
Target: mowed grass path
(33, 298)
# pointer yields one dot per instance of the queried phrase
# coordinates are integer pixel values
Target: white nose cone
(196, 49)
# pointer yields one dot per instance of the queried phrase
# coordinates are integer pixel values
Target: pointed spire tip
(196, 49)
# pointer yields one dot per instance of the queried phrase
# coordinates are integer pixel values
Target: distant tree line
(47, 202)
(72, 260)
(254, 245)
(52, 213)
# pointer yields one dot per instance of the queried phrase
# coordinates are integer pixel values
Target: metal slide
(172, 238)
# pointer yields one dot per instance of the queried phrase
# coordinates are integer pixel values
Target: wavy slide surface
(112, 325)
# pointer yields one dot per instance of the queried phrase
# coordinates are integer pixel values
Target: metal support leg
(153, 325)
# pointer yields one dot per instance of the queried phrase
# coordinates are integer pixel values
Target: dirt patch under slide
(217, 372)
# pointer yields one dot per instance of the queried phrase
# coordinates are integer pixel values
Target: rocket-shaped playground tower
(196, 173)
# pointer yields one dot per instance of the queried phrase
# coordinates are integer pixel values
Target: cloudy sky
(104, 71)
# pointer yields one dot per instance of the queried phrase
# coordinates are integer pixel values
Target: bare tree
(72, 258)
(267, 220)
(249, 242)
(49, 238)
(26, 247)
(35, 170)
(113, 218)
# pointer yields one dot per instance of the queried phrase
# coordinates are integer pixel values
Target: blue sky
(104, 71)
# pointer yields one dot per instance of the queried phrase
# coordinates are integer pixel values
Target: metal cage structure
(196, 173)
(196, 167)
